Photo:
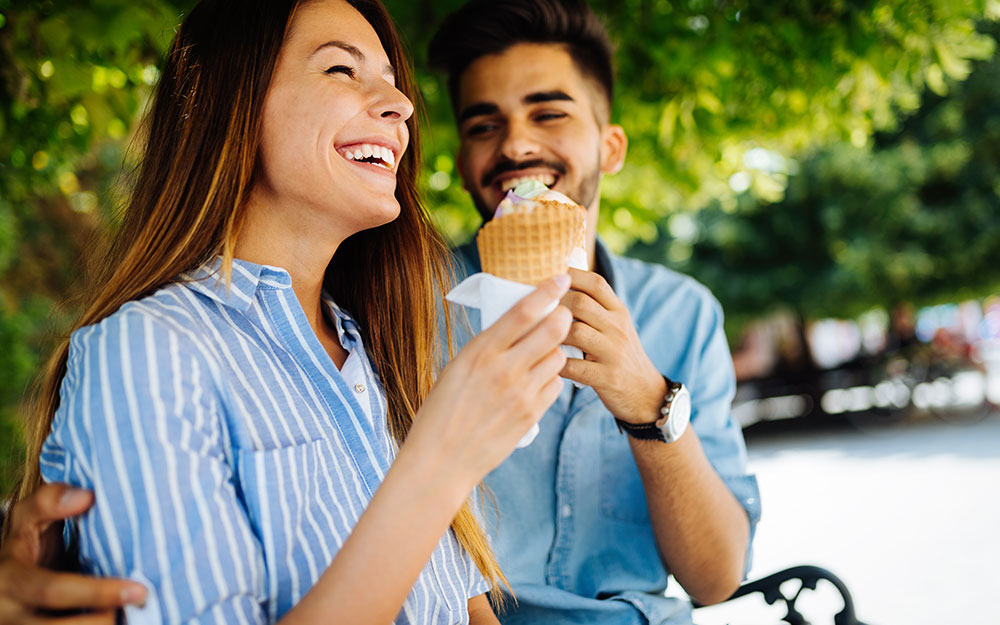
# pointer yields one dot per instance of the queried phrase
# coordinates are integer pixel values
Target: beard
(583, 193)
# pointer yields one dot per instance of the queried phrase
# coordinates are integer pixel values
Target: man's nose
(518, 142)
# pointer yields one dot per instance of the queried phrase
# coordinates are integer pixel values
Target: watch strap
(643, 431)
(651, 431)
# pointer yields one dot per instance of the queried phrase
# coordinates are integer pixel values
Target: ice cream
(535, 233)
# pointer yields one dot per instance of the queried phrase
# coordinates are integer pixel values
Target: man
(588, 521)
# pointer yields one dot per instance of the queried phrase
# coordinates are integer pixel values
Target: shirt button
(566, 512)
(359, 388)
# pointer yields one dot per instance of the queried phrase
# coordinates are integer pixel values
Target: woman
(235, 421)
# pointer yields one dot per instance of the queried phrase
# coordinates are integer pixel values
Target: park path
(908, 517)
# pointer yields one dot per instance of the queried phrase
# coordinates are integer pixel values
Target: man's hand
(615, 365)
(34, 541)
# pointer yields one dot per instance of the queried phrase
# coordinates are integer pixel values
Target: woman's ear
(614, 145)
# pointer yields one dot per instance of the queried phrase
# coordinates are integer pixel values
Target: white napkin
(493, 297)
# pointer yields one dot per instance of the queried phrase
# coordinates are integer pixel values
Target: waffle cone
(531, 246)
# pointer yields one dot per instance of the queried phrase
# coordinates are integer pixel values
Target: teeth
(547, 179)
(368, 150)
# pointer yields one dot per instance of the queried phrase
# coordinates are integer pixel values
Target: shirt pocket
(301, 503)
(622, 494)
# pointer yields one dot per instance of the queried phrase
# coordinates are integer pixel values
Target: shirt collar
(604, 265)
(348, 330)
(246, 279)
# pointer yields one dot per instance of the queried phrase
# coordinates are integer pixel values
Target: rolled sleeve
(712, 389)
(139, 423)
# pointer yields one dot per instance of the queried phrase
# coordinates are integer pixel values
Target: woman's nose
(392, 104)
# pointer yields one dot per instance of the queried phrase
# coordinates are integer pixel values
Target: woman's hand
(498, 386)
(482, 404)
(34, 542)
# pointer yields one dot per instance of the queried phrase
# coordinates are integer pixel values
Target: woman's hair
(199, 163)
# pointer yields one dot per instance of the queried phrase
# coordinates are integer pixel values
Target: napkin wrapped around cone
(534, 235)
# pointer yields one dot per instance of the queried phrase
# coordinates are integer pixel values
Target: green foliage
(702, 84)
(913, 217)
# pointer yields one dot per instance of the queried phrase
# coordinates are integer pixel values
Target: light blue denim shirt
(571, 528)
(230, 459)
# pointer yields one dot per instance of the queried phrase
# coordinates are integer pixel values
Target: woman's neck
(270, 236)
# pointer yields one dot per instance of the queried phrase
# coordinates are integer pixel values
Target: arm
(483, 402)
(139, 424)
(480, 612)
(34, 527)
(685, 495)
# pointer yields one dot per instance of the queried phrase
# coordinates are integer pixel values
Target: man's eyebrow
(480, 108)
(547, 96)
(358, 55)
(488, 108)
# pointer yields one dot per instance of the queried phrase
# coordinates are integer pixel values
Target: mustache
(507, 166)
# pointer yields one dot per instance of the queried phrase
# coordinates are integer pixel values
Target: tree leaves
(778, 121)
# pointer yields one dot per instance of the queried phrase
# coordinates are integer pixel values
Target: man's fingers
(51, 502)
(588, 310)
(589, 341)
(49, 590)
(583, 371)
(597, 287)
(524, 315)
(106, 617)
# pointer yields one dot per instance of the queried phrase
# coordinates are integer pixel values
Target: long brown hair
(198, 165)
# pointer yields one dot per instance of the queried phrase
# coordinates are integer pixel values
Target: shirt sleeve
(139, 423)
(712, 387)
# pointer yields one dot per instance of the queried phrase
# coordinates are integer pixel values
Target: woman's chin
(378, 215)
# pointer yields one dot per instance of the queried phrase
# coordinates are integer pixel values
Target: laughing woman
(251, 392)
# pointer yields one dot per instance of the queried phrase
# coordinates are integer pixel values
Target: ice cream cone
(531, 243)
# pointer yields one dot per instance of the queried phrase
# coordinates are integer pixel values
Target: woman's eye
(341, 69)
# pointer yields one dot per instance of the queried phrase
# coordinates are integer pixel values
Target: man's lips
(504, 172)
(506, 183)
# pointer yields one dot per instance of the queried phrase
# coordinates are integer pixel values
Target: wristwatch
(675, 413)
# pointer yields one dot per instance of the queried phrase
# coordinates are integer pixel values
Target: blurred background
(830, 169)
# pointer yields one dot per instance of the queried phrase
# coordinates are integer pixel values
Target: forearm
(700, 528)
(480, 611)
(373, 572)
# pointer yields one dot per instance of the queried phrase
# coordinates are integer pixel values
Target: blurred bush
(911, 216)
(797, 125)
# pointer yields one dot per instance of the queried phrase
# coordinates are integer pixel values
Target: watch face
(680, 414)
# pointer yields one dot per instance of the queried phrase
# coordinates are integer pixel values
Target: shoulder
(646, 286)
(465, 259)
(164, 323)
(147, 365)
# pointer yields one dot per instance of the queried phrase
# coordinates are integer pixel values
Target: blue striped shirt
(229, 457)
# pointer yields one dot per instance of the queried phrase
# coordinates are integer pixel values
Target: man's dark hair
(484, 27)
